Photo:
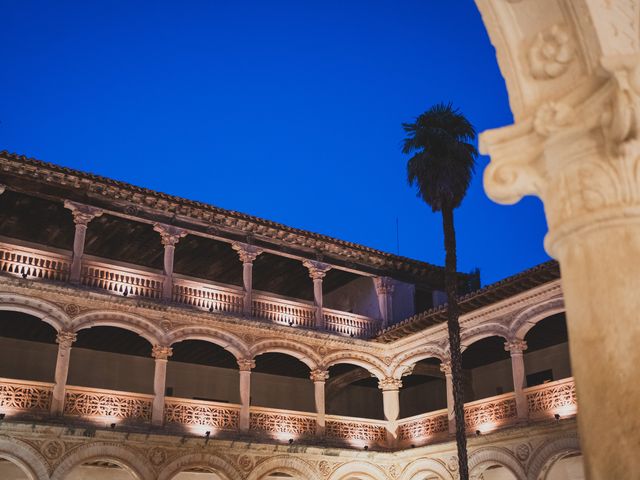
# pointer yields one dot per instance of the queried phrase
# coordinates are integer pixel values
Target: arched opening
(487, 369)
(28, 348)
(198, 473)
(102, 469)
(201, 370)
(547, 355)
(493, 471)
(567, 467)
(280, 475)
(424, 389)
(281, 381)
(11, 471)
(352, 391)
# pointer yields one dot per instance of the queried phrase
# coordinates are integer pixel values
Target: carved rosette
(317, 270)
(160, 352)
(389, 384)
(319, 375)
(82, 214)
(247, 253)
(246, 364)
(551, 53)
(65, 339)
(169, 234)
(515, 346)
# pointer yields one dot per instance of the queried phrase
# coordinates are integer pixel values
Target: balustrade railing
(424, 427)
(282, 424)
(25, 396)
(213, 298)
(31, 263)
(490, 413)
(220, 416)
(121, 280)
(283, 311)
(356, 431)
(100, 404)
(351, 324)
(552, 398)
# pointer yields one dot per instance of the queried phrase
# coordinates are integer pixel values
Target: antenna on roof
(397, 236)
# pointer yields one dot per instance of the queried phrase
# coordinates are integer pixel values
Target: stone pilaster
(317, 271)
(161, 355)
(384, 289)
(247, 253)
(170, 236)
(65, 340)
(445, 367)
(319, 378)
(245, 366)
(391, 405)
(82, 215)
(516, 348)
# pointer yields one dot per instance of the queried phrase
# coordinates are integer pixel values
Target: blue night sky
(288, 110)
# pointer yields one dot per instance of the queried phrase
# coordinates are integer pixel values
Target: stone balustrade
(107, 405)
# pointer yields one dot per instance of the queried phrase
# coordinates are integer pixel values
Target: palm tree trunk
(451, 286)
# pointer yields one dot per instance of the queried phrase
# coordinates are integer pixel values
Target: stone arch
(27, 458)
(358, 471)
(225, 340)
(301, 352)
(45, 311)
(529, 317)
(286, 464)
(426, 465)
(498, 456)
(221, 467)
(364, 360)
(134, 323)
(543, 459)
(131, 461)
(481, 332)
(408, 359)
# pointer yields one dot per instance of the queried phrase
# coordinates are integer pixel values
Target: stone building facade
(144, 336)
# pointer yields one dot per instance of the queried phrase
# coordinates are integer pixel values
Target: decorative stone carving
(72, 309)
(552, 117)
(551, 53)
(445, 367)
(247, 253)
(523, 451)
(245, 463)
(82, 214)
(169, 234)
(384, 285)
(319, 375)
(317, 270)
(160, 352)
(52, 449)
(389, 384)
(325, 468)
(246, 364)
(65, 339)
(2, 188)
(515, 346)
(157, 456)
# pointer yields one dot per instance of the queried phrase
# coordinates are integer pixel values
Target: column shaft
(319, 377)
(170, 236)
(391, 405)
(445, 367)
(516, 350)
(244, 419)
(65, 340)
(317, 272)
(247, 253)
(161, 355)
(82, 215)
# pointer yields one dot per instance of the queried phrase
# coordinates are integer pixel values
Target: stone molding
(515, 346)
(246, 365)
(65, 339)
(319, 375)
(389, 384)
(161, 352)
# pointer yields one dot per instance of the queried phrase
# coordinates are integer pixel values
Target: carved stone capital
(317, 270)
(65, 339)
(246, 364)
(82, 214)
(384, 285)
(319, 375)
(389, 384)
(169, 234)
(160, 352)
(247, 253)
(445, 367)
(515, 346)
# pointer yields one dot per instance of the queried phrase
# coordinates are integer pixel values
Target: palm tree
(442, 165)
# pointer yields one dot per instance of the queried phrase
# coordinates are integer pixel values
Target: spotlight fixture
(290, 441)
(211, 309)
(2, 416)
(366, 447)
(207, 435)
(183, 439)
(125, 293)
(478, 433)
(24, 274)
(351, 335)
(113, 426)
(413, 446)
(557, 416)
(291, 323)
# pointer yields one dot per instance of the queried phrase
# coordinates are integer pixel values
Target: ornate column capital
(65, 339)
(389, 384)
(161, 352)
(82, 214)
(246, 364)
(169, 234)
(515, 346)
(317, 270)
(319, 375)
(247, 253)
(384, 285)
(445, 367)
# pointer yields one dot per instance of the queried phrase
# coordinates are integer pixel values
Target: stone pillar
(516, 348)
(161, 355)
(64, 339)
(445, 367)
(317, 271)
(391, 404)
(247, 254)
(170, 236)
(319, 377)
(384, 290)
(82, 215)
(245, 365)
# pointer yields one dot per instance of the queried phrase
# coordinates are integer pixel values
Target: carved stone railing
(182, 411)
(425, 427)
(351, 324)
(490, 413)
(209, 297)
(121, 280)
(282, 424)
(283, 311)
(552, 398)
(99, 404)
(17, 396)
(31, 263)
(356, 431)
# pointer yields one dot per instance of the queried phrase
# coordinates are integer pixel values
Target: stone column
(516, 348)
(170, 236)
(391, 404)
(445, 367)
(384, 290)
(245, 365)
(82, 215)
(317, 271)
(319, 377)
(161, 355)
(64, 339)
(247, 254)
